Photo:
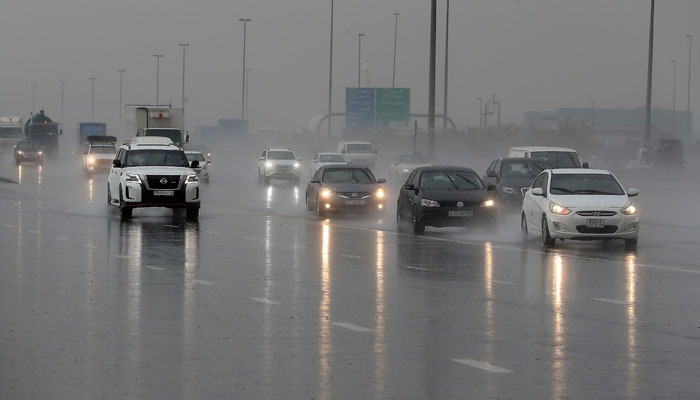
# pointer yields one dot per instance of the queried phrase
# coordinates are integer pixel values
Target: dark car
(445, 197)
(344, 188)
(29, 150)
(511, 175)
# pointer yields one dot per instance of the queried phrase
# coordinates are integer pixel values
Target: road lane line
(482, 365)
(33, 231)
(8, 226)
(351, 256)
(264, 301)
(352, 327)
(202, 282)
(625, 303)
(413, 267)
(172, 226)
(154, 268)
(91, 246)
(503, 282)
(62, 238)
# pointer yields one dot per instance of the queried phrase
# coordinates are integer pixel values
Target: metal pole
(92, 107)
(447, 39)
(592, 117)
(245, 25)
(673, 107)
(121, 94)
(183, 45)
(481, 112)
(649, 70)
(359, 57)
(157, 56)
(431, 86)
(396, 31)
(330, 75)
(247, 92)
(34, 85)
(690, 53)
(62, 83)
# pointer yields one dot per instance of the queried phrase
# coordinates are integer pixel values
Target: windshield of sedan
(595, 184)
(280, 155)
(169, 158)
(331, 158)
(529, 168)
(28, 146)
(350, 175)
(450, 180)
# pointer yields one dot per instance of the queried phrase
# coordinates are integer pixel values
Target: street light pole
(673, 107)
(592, 117)
(62, 83)
(34, 85)
(330, 75)
(183, 45)
(245, 24)
(359, 56)
(247, 91)
(481, 112)
(690, 53)
(447, 41)
(649, 70)
(431, 78)
(121, 93)
(92, 101)
(157, 56)
(396, 31)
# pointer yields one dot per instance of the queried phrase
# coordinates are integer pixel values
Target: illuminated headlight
(41, 152)
(379, 193)
(296, 165)
(405, 170)
(429, 203)
(268, 164)
(488, 203)
(133, 178)
(191, 179)
(326, 193)
(509, 190)
(557, 209)
(91, 160)
(629, 210)
(20, 152)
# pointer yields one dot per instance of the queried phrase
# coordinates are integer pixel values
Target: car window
(28, 146)
(538, 181)
(525, 168)
(102, 150)
(586, 184)
(280, 155)
(195, 156)
(359, 148)
(169, 158)
(349, 175)
(558, 159)
(450, 180)
(332, 158)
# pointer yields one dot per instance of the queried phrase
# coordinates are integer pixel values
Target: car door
(410, 194)
(531, 203)
(114, 174)
(261, 162)
(313, 187)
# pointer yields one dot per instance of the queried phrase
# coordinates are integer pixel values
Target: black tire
(400, 223)
(416, 224)
(192, 214)
(109, 195)
(523, 226)
(630, 243)
(124, 211)
(547, 239)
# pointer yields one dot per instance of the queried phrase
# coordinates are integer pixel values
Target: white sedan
(321, 159)
(579, 204)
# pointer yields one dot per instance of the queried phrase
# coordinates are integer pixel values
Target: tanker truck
(42, 129)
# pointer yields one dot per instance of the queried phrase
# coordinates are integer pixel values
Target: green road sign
(393, 107)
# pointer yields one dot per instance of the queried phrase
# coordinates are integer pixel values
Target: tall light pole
(183, 45)
(673, 107)
(92, 101)
(431, 86)
(62, 83)
(690, 53)
(649, 69)
(247, 91)
(592, 116)
(34, 85)
(330, 75)
(158, 57)
(447, 41)
(481, 112)
(359, 56)
(121, 94)
(245, 23)
(396, 31)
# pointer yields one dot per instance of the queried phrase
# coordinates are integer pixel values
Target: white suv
(358, 153)
(153, 173)
(278, 163)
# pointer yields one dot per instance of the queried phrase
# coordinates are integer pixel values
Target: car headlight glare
(557, 209)
(488, 203)
(91, 160)
(192, 179)
(509, 190)
(41, 152)
(429, 203)
(20, 152)
(268, 164)
(405, 170)
(380, 193)
(296, 165)
(133, 178)
(326, 193)
(631, 209)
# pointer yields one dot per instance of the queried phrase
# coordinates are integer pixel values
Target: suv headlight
(191, 179)
(630, 209)
(268, 164)
(429, 203)
(90, 160)
(296, 165)
(133, 178)
(326, 193)
(557, 209)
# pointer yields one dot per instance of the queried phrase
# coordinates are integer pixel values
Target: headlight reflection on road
(324, 315)
(380, 334)
(632, 356)
(559, 331)
(268, 198)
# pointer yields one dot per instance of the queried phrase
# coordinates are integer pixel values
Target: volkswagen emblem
(460, 204)
(596, 213)
(163, 181)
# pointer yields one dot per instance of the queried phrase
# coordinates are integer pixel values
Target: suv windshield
(280, 155)
(559, 159)
(585, 184)
(450, 180)
(360, 148)
(167, 158)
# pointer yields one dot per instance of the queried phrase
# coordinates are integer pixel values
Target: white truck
(149, 120)
(11, 130)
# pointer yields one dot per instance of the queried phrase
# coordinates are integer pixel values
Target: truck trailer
(11, 130)
(149, 120)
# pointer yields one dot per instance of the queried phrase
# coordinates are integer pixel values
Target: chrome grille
(354, 195)
(170, 181)
(596, 213)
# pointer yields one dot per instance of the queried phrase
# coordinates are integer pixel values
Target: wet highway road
(260, 299)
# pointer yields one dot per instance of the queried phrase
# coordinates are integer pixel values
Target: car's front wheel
(417, 225)
(547, 239)
(124, 210)
(109, 195)
(523, 226)
(192, 214)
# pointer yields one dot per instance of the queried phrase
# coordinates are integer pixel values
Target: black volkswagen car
(444, 196)
(345, 188)
(510, 176)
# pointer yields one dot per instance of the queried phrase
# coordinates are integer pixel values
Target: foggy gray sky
(535, 54)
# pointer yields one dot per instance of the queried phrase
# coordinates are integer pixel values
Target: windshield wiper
(593, 191)
(561, 189)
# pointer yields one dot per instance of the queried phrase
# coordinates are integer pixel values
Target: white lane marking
(351, 256)
(482, 365)
(611, 301)
(33, 231)
(123, 256)
(264, 301)
(8, 226)
(211, 232)
(503, 282)
(413, 267)
(352, 327)
(202, 282)
(62, 238)
(154, 268)
(172, 226)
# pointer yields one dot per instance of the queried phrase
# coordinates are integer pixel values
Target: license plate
(595, 223)
(355, 202)
(460, 213)
(163, 192)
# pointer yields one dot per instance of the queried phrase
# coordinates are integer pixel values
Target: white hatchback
(579, 204)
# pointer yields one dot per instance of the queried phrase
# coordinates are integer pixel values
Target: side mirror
(381, 180)
(60, 131)
(632, 192)
(411, 187)
(537, 191)
(490, 187)
(298, 159)
(491, 174)
(262, 158)
(187, 138)
(315, 181)
(117, 163)
(195, 164)
(584, 165)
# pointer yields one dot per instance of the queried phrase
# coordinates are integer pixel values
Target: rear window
(558, 159)
(331, 158)
(526, 168)
(359, 148)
